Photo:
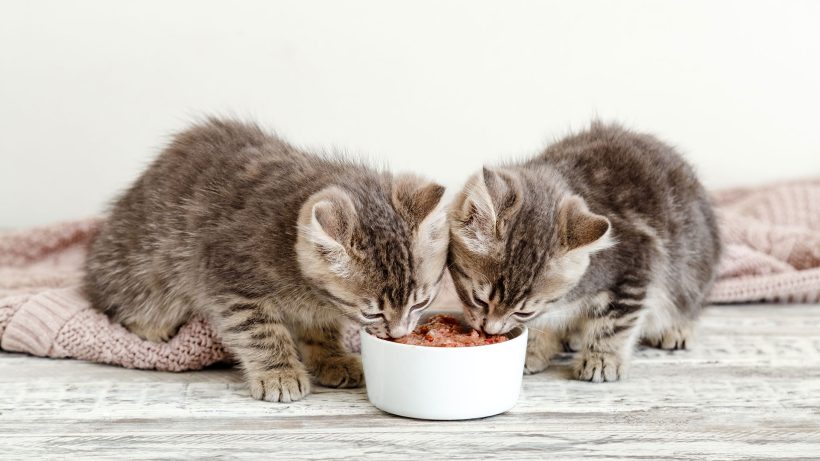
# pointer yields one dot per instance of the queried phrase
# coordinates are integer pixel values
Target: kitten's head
(376, 249)
(519, 243)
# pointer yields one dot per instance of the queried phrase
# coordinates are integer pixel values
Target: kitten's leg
(610, 334)
(266, 351)
(666, 326)
(542, 345)
(326, 357)
(572, 340)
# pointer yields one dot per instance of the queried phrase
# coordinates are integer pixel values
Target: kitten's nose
(493, 327)
(397, 331)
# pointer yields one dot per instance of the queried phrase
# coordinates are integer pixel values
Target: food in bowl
(443, 330)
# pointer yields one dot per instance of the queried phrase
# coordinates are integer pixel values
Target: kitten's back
(646, 188)
(201, 188)
(619, 170)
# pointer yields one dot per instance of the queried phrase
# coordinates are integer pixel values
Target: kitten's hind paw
(280, 385)
(600, 367)
(672, 339)
(339, 371)
(152, 333)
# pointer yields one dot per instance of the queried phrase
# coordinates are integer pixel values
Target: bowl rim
(517, 332)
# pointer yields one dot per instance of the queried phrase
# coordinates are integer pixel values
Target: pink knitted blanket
(772, 253)
(771, 236)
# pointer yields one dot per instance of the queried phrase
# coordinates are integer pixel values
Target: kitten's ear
(580, 228)
(415, 198)
(490, 200)
(504, 192)
(326, 221)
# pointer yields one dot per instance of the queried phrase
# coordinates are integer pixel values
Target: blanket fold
(771, 237)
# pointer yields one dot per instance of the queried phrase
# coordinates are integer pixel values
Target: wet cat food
(447, 331)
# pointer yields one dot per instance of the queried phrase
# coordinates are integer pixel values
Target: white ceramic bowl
(444, 383)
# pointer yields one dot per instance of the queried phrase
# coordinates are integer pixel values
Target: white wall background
(89, 90)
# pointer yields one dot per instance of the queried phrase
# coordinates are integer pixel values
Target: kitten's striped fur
(605, 238)
(276, 246)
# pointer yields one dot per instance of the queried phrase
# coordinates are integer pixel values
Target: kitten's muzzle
(398, 331)
(496, 327)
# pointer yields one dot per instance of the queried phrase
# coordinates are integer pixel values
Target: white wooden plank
(750, 388)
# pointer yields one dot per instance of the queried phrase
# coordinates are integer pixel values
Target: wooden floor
(750, 388)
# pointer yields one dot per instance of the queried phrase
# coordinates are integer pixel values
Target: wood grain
(750, 388)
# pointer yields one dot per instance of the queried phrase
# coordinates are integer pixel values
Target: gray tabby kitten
(606, 238)
(278, 248)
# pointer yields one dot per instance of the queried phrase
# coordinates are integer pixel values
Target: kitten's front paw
(340, 371)
(541, 347)
(600, 367)
(537, 361)
(280, 385)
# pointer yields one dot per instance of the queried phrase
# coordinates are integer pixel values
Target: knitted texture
(772, 253)
(771, 236)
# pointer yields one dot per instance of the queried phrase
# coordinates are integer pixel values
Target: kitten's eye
(478, 302)
(420, 305)
(524, 315)
(372, 316)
